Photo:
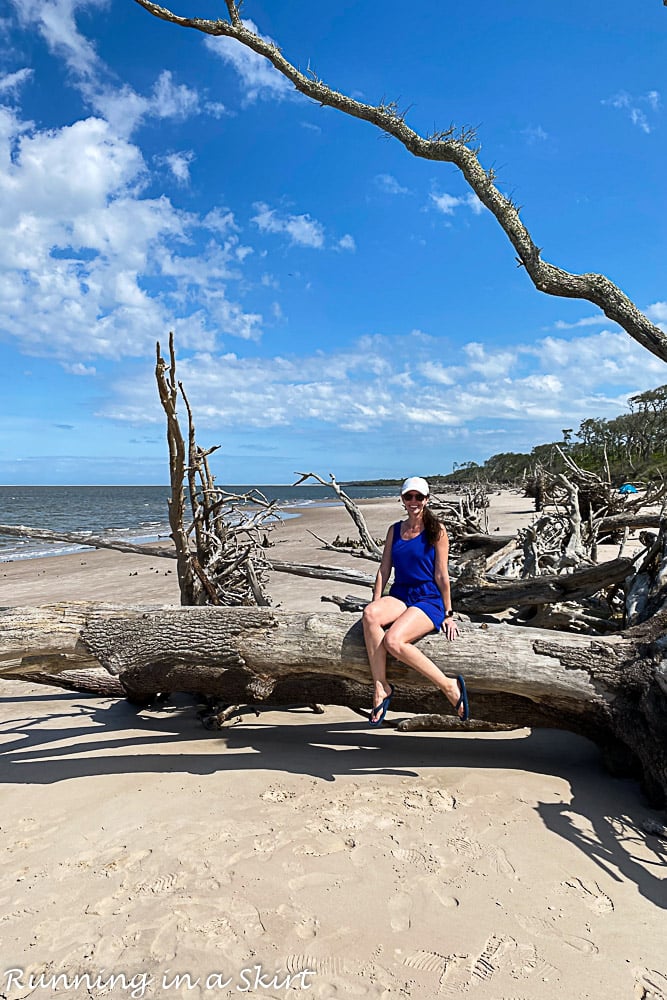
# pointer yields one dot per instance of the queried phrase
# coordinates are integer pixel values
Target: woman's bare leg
(414, 624)
(377, 614)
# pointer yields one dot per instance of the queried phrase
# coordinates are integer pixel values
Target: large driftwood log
(489, 596)
(613, 690)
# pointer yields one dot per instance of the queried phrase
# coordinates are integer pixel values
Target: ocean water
(132, 513)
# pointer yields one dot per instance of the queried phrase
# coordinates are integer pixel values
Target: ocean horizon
(137, 514)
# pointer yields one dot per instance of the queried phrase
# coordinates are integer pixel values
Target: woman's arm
(384, 571)
(441, 575)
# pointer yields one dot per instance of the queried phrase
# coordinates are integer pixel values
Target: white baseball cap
(417, 484)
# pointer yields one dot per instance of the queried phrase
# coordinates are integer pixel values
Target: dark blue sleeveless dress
(414, 576)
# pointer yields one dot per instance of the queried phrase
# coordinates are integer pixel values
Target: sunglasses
(413, 496)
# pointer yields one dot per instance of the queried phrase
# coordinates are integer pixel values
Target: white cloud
(534, 133)
(636, 107)
(268, 281)
(347, 242)
(653, 100)
(179, 165)
(259, 78)
(489, 363)
(598, 320)
(79, 369)
(389, 184)
(433, 371)
(124, 108)
(172, 100)
(220, 221)
(121, 106)
(448, 203)
(11, 83)
(78, 241)
(55, 21)
(301, 229)
(657, 312)
(395, 384)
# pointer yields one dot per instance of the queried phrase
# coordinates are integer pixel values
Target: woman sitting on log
(418, 602)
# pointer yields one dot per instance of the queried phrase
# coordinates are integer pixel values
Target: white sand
(509, 866)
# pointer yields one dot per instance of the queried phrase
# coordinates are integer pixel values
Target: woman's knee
(372, 614)
(393, 644)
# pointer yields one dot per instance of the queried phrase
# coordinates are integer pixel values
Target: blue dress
(414, 576)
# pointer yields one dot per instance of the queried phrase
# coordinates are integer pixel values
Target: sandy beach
(300, 853)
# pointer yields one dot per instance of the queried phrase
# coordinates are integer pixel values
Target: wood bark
(490, 596)
(454, 146)
(613, 690)
(190, 582)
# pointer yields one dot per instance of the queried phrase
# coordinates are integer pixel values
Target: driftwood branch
(613, 690)
(490, 596)
(367, 539)
(220, 557)
(80, 538)
(449, 146)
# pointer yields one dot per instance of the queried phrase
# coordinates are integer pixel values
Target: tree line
(633, 445)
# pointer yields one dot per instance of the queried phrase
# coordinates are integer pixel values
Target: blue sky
(338, 305)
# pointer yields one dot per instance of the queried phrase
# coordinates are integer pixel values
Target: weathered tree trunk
(613, 690)
(490, 596)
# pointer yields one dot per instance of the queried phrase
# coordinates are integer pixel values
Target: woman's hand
(450, 628)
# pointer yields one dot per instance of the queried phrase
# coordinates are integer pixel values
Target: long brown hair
(432, 526)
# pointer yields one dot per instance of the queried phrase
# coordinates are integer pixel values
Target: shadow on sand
(87, 737)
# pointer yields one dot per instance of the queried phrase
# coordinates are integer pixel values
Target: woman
(418, 602)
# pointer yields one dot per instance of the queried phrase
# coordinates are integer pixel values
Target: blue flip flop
(463, 700)
(381, 708)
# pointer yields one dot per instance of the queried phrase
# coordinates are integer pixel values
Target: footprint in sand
(649, 984)
(410, 856)
(303, 924)
(315, 880)
(163, 883)
(493, 957)
(220, 930)
(429, 800)
(502, 864)
(323, 965)
(546, 929)
(500, 954)
(400, 911)
(441, 893)
(428, 961)
(590, 893)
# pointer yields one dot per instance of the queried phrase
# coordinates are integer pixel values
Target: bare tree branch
(350, 506)
(449, 146)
